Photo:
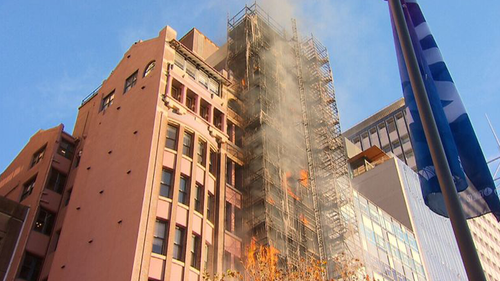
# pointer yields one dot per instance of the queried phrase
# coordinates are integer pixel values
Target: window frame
(195, 251)
(58, 185)
(201, 152)
(179, 242)
(107, 101)
(34, 269)
(28, 187)
(47, 222)
(149, 68)
(68, 152)
(199, 191)
(187, 148)
(168, 185)
(38, 156)
(130, 82)
(184, 190)
(163, 240)
(174, 140)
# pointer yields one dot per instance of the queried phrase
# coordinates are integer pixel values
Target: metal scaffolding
(296, 189)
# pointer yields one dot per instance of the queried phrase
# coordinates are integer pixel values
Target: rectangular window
(130, 82)
(198, 198)
(203, 78)
(178, 252)
(172, 132)
(68, 197)
(191, 70)
(229, 172)
(201, 152)
(38, 156)
(227, 260)
(32, 265)
(195, 250)
(229, 217)
(211, 207)
(238, 220)
(159, 237)
(184, 190)
(238, 136)
(204, 109)
(44, 222)
(187, 144)
(191, 101)
(56, 181)
(179, 60)
(176, 93)
(28, 188)
(214, 87)
(107, 101)
(218, 119)
(166, 184)
(66, 149)
(213, 162)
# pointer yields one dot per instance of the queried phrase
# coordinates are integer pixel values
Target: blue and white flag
(473, 180)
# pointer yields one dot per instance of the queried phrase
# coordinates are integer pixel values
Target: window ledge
(158, 256)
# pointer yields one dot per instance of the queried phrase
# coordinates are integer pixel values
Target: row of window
(178, 251)
(188, 147)
(190, 101)
(66, 149)
(197, 74)
(130, 82)
(56, 182)
(166, 191)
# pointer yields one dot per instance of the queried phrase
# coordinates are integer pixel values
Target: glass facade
(390, 249)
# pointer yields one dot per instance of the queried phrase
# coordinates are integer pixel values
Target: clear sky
(54, 53)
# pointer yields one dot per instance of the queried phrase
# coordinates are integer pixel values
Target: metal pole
(453, 206)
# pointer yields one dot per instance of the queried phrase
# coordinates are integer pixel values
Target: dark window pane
(38, 156)
(31, 267)
(159, 237)
(210, 207)
(198, 198)
(166, 184)
(57, 181)
(202, 148)
(44, 222)
(178, 252)
(171, 137)
(130, 82)
(107, 101)
(184, 190)
(28, 188)
(66, 149)
(187, 144)
(195, 251)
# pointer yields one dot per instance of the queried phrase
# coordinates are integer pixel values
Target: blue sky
(54, 53)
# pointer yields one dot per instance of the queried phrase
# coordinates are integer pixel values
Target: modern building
(186, 153)
(425, 248)
(377, 130)
(386, 129)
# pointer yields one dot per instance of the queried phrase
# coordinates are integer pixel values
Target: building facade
(485, 230)
(185, 154)
(390, 185)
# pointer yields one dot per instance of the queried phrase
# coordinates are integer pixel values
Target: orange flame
(251, 253)
(243, 82)
(304, 178)
(303, 219)
(294, 196)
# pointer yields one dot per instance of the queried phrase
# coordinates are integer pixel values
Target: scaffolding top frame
(252, 10)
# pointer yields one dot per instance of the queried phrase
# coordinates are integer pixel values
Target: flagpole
(463, 236)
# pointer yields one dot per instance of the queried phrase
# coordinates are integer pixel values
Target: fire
(243, 82)
(304, 178)
(251, 253)
(303, 219)
(294, 196)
